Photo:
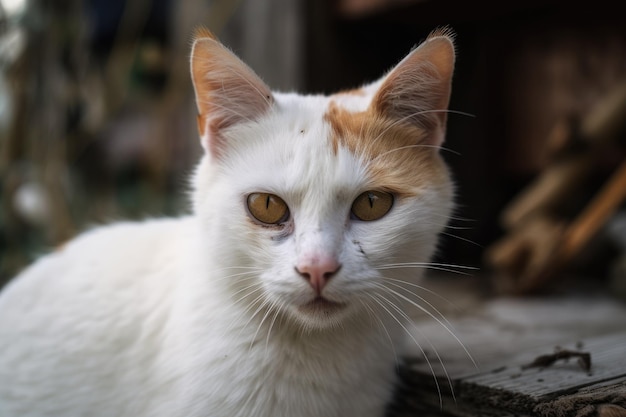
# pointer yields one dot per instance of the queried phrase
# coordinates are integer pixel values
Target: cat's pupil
(267, 208)
(371, 198)
(372, 205)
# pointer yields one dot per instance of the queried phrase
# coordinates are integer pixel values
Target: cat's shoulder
(116, 251)
(150, 232)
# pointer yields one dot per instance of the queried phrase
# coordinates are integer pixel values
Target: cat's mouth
(322, 305)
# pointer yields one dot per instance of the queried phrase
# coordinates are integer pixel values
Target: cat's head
(319, 208)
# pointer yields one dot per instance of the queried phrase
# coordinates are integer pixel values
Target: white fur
(201, 316)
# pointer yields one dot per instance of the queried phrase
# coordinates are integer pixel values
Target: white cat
(283, 294)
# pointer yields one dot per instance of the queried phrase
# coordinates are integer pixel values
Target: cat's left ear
(417, 90)
(227, 91)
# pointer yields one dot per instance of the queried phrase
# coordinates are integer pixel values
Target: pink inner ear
(417, 90)
(227, 92)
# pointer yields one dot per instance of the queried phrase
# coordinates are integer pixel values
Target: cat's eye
(267, 208)
(372, 205)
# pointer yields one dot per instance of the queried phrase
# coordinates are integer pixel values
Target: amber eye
(372, 205)
(268, 208)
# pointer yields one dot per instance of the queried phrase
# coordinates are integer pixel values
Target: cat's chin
(321, 312)
(321, 305)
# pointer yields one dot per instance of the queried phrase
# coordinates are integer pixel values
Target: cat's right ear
(417, 90)
(227, 91)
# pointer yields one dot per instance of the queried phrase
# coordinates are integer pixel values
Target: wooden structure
(539, 244)
(524, 360)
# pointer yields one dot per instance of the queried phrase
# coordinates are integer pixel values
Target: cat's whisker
(373, 316)
(255, 268)
(255, 288)
(425, 289)
(277, 307)
(455, 218)
(269, 306)
(447, 326)
(431, 266)
(411, 147)
(463, 239)
(239, 291)
(447, 226)
(423, 300)
(249, 308)
(443, 367)
(424, 264)
(418, 113)
(431, 315)
(449, 111)
(419, 346)
(245, 276)
(263, 306)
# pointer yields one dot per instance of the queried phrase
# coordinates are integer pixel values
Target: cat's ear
(417, 90)
(227, 90)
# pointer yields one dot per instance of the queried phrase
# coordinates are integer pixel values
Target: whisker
(413, 147)
(461, 113)
(425, 289)
(432, 370)
(443, 367)
(463, 239)
(417, 113)
(252, 271)
(425, 301)
(267, 313)
(373, 315)
(255, 284)
(269, 331)
(455, 218)
(431, 315)
(249, 308)
(425, 264)
(432, 266)
(248, 275)
(447, 226)
(256, 268)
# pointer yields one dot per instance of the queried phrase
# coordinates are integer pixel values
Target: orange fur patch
(358, 92)
(398, 155)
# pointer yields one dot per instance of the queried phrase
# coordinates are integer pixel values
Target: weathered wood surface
(503, 336)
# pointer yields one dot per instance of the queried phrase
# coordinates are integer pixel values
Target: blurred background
(97, 118)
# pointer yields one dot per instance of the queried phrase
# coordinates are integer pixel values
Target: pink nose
(318, 270)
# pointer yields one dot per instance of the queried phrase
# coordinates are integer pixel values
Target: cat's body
(282, 294)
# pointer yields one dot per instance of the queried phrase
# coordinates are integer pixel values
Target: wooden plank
(606, 400)
(511, 386)
(608, 361)
(503, 336)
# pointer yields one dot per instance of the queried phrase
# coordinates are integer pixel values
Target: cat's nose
(318, 270)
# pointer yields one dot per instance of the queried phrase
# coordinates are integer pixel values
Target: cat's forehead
(392, 154)
(354, 100)
(312, 109)
(334, 143)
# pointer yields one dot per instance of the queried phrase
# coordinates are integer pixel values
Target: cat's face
(321, 207)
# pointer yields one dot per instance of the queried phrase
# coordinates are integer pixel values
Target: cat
(283, 293)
